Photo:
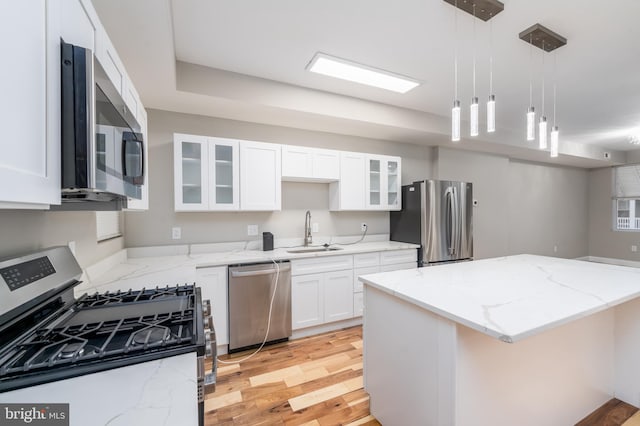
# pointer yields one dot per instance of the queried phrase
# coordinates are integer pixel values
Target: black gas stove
(47, 335)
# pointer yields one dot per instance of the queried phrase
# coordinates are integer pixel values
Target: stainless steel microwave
(102, 143)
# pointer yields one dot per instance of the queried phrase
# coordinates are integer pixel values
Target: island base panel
(423, 369)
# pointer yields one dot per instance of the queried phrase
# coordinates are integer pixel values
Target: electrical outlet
(315, 227)
(176, 233)
(634, 248)
(363, 227)
(252, 230)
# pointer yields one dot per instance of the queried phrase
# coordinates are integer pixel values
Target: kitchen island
(525, 340)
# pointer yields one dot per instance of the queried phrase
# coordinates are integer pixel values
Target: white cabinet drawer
(321, 264)
(398, 266)
(357, 284)
(366, 260)
(399, 256)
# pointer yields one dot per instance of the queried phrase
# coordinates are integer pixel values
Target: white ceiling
(597, 71)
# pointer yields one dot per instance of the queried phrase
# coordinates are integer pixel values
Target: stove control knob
(206, 308)
(208, 323)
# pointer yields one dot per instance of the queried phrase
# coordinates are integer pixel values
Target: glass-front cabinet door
(374, 184)
(383, 182)
(191, 175)
(393, 184)
(224, 174)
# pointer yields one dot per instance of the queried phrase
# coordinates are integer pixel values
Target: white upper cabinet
(260, 176)
(191, 177)
(349, 192)
(383, 177)
(304, 164)
(79, 24)
(30, 107)
(224, 176)
(206, 173)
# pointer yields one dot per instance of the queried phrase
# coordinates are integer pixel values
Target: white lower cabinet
(358, 304)
(338, 295)
(385, 261)
(213, 285)
(307, 301)
(321, 290)
(358, 300)
(321, 298)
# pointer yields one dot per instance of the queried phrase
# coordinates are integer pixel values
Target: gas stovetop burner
(77, 350)
(150, 336)
(71, 349)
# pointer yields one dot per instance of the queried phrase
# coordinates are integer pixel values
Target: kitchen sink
(314, 249)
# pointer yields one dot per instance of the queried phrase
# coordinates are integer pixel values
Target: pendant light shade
(555, 140)
(531, 127)
(491, 114)
(542, 133)
(455, 121)
(474, 116)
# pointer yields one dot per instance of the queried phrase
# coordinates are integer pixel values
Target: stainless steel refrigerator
(437, 214)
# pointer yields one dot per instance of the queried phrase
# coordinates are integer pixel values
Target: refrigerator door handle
(456, 221)
(450, 221)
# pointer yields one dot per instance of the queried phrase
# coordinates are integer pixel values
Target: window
(626, 198)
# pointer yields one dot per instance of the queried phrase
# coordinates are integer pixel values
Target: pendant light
(547, 40)
(555, 133)
(531, 112)
(473, 110)
(491, 103)
(455, 111)
(485, 10)
(542, 126)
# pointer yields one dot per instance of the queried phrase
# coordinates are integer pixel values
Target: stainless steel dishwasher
(250, 290)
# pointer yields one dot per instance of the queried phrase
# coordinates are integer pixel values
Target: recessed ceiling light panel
(357, 73)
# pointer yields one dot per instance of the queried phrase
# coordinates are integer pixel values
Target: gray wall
(522, 207)
(548, 206)
(603, 240)
(154, 226)
(23, 231)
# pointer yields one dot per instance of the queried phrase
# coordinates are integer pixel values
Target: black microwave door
(133, 158)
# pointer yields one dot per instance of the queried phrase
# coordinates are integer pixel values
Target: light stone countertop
(122, 271)
(159, 392)
(513, 297)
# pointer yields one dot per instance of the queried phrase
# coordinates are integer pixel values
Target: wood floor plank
(314, 381)
(224, 400)
(613, 413)
(633, 420)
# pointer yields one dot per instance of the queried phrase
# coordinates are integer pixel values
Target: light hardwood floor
(311, 381)
(613, 413)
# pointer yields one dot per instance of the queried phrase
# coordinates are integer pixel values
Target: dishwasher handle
(238, 274)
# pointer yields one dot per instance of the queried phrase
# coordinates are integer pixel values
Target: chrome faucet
(307, 229)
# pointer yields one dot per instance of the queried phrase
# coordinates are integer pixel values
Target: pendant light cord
(530, 70)
(474, 50)
(543, 52)
(555, 65)
(490, 57)
(455, 51)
